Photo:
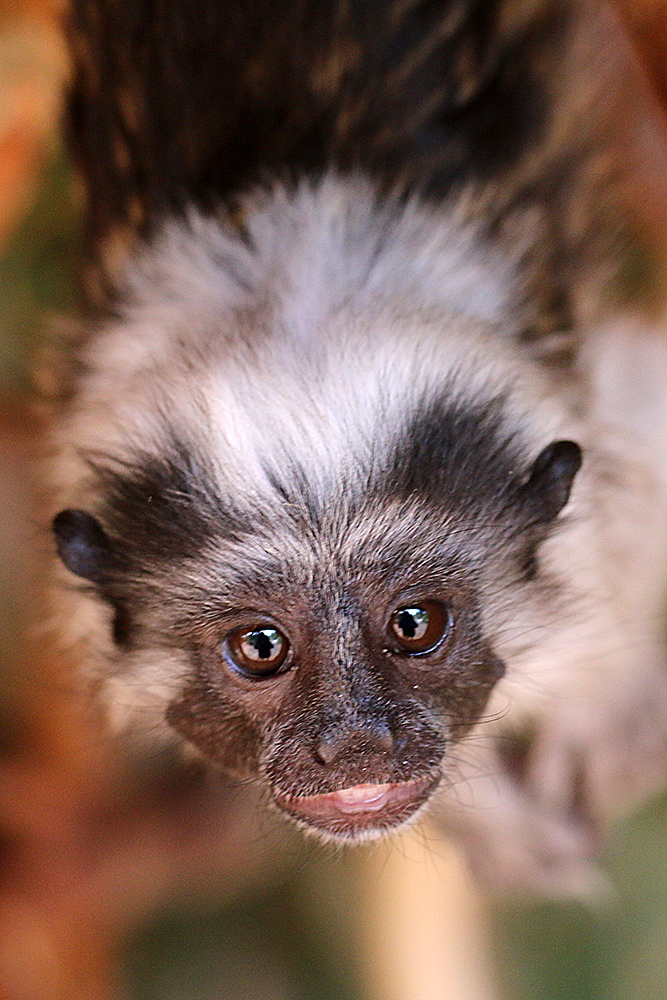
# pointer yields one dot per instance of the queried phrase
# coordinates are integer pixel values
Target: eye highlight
(258, 652)
(419, 628)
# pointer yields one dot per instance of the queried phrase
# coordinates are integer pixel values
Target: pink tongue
(360, 798)
(395, 800)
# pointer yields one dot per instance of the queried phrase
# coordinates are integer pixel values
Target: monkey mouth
(360, 809)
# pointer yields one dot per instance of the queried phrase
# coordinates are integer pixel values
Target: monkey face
(330, 644)
(343, 699)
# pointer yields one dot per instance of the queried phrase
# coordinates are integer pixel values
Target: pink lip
(360, 807)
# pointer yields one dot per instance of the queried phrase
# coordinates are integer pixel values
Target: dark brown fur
(196, 104)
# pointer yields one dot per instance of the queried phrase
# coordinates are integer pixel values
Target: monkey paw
(514, 842)
(596, 757)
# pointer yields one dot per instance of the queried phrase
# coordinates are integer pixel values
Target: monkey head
(300, 559)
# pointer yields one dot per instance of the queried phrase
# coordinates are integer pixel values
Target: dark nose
(358, 736)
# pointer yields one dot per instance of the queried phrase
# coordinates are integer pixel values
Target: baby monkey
(359, 477)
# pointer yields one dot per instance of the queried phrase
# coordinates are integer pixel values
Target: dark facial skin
(347, 709)
(348, 727)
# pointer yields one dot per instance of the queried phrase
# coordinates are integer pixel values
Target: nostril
(367, 737)
(328, 749)
(384, 739)
(325, 751)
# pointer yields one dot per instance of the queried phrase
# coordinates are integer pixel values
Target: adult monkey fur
(366, 280)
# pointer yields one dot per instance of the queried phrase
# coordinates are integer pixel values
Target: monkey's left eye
(259, 652)
(419, 629)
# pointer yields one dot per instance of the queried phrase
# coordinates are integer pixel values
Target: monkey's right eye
(260, 652)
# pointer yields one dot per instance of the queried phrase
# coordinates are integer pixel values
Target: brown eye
(259, 652)
(420, 628)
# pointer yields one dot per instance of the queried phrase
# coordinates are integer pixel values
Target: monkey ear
(550, 480)
(82, 544)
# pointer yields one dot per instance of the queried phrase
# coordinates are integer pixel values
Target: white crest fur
(335, 286)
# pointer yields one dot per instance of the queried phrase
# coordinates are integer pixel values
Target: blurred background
(165, 884)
